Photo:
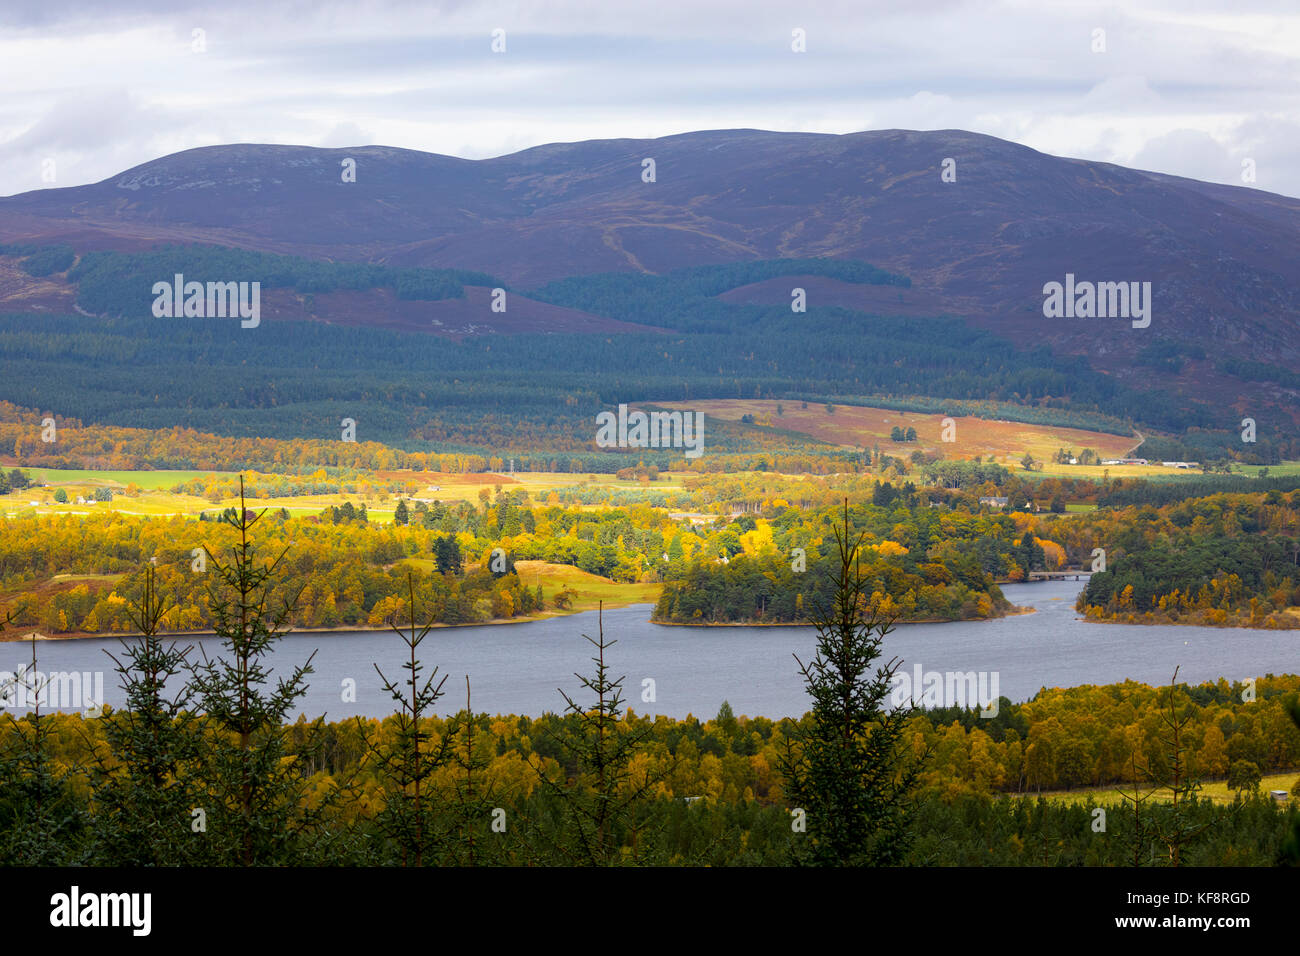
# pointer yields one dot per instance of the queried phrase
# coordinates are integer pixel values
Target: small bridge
(1059, 575)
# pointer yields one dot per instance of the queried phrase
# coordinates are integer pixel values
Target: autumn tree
(846, 768)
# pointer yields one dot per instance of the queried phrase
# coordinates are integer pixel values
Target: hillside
(1220, 259)
(1014, 218)
(862, 427)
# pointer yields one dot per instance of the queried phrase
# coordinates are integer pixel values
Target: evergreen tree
(1141, 838)
(604, 805)
(478, 838)
(727, 719)
(144, 796)
(254, 807)
(1174, 822)
(446, 552)
(42, 819)
(408, 818)
(1289, 855)
(847, 769)
(401, 515)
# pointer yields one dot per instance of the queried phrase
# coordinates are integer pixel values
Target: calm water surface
(518, 668)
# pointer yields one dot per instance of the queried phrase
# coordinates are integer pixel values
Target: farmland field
(141, 479)
(855, 426)
(1216, 790)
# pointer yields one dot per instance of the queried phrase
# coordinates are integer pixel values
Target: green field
(1274, 471)
(146, 480)
(1216, 790)
(590, 590)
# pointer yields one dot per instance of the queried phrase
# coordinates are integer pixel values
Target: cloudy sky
(1184, 87)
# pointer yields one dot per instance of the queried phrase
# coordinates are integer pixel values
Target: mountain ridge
(1221, 259)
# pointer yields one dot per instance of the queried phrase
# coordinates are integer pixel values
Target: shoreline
(523, 619)
(341, 629)
(1225, 627)
(1016, 611)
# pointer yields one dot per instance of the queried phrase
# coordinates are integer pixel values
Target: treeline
(40, 261)
(719, 796)
(768, 590)
(1219, 560)
(1136, 491)
(920, 563)
(681, 298)
(501, 391)
(108, 447)
(350, 570)
(1169, 355)
(120, 283)
(1222, 447)
(926, 562)
(15, 479)
(530, 393)
(927, 357)
(113, 448)
(345, 571)
(964, 474)
(218, 488)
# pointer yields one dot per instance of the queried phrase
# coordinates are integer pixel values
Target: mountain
(1221, 260)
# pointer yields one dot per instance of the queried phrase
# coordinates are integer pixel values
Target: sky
(93, 87)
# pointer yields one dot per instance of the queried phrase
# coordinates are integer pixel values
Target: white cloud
(345, 134)
(1220, 81)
